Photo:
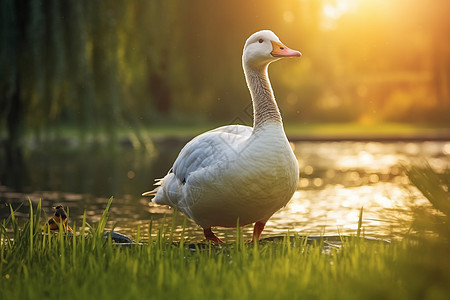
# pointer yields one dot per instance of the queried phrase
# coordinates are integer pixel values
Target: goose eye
(260, 41)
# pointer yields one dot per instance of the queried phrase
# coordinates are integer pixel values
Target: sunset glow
(375, 60)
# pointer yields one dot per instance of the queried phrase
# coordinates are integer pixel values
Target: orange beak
(280, 50)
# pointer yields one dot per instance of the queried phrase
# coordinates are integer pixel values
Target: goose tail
(153, 192)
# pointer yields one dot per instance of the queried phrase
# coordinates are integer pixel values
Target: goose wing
(207, 150)
(210, 148)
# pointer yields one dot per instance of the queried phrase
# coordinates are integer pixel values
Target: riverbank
(338, 132)
(86, 266)
(323, 131)
(149, 136)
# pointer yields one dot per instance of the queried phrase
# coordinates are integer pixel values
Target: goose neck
(265, 109)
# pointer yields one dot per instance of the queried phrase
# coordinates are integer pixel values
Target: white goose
(237, 173)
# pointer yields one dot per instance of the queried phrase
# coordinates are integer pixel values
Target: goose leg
(259, 227)
(209, 235)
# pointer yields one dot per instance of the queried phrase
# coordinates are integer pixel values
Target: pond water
(337, 179)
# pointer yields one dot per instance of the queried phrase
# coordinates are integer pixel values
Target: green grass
(436, 188)
(34, 265)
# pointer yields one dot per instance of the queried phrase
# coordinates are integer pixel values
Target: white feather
(235, 172)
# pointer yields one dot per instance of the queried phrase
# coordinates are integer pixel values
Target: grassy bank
(316, 130)
(144, 135)
(86, 266)
(364, 130)
(35, 264)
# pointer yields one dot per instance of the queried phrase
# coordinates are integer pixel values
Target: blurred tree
(11, 105)
(101, 65)
(439, 23)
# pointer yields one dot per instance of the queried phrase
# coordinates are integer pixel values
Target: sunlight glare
(333, 11)
(304, 182)
(374, 178)
(318, 182)
(446, 149)
(383, 201)
(288, 16)
(299, 207)
(308, 170)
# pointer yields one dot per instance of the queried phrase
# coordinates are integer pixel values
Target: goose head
(264, 47)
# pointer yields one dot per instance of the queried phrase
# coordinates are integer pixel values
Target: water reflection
(337, 179)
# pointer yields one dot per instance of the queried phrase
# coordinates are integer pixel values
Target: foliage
(436, 188)
(41, 265)
(102, 65)
(76, 62)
